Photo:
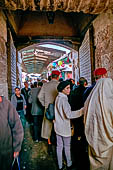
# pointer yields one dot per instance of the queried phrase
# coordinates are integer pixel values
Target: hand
(25, 107)
(0, 99)
(16, 154)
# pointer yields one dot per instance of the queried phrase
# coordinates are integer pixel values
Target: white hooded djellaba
(98, 119)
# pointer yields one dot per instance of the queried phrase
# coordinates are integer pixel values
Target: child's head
(64, 87)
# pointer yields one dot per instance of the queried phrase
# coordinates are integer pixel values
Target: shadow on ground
(34, 156)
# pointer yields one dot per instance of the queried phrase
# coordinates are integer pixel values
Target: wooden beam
(36, 59)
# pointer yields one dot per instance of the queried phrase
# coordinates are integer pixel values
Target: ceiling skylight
(55, 47)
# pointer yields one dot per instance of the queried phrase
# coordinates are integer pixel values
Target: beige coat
(47, 95)
(98, 110)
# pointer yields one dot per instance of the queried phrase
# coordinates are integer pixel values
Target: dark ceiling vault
(33, 27)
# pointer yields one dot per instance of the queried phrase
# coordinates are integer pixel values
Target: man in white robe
(98, 119)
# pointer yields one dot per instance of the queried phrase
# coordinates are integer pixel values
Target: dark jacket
(87, 92)
(26, 94)
(37, 108)
(76, 102)
(76, 98)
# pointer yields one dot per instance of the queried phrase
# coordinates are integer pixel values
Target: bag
(72, 129)
(50, 113)
(15, 164)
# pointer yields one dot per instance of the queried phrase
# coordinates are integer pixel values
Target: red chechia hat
(56, 72)
(100, 71)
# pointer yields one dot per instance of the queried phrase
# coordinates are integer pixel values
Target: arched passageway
(37, 57)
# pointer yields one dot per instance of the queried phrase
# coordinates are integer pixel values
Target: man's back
(37, 108)
(48, 92)
(25, 93)
(47, 95)
(76, 98)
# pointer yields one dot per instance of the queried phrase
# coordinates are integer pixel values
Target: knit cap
(62, 85)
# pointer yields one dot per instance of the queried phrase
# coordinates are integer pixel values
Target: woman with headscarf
(62, 125)
(98, 119)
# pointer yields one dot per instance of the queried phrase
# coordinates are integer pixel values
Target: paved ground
(34, 155)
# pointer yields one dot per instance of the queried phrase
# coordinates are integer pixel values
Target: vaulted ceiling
(59, 21)
(36, 58)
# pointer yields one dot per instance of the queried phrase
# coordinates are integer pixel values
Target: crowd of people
(82, 126)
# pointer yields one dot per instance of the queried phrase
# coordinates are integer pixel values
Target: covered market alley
(85, 28)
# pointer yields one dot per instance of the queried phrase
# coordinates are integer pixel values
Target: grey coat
(14, 101)
(37, 108)
(47, 95)
(11, 133)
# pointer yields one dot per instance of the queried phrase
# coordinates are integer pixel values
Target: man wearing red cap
(98, 74)
(98, 120)
(56, 72)
(47, 95)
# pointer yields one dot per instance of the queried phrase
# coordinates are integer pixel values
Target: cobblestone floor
(34, 155)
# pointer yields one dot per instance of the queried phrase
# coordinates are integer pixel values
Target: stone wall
(103, 39)
(11, 64)
(7, 59)
(3, 56)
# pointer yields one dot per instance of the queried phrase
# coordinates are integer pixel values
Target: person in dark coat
(76, 102)
(37, 110)
(79, 143)
(72, 82)
(11, 134)
(25, 91)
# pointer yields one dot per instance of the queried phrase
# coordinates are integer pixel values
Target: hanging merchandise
(50, 66)
(68, 59)
(63, 64)
(54, 64)
(59, 63)
(70, 65)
